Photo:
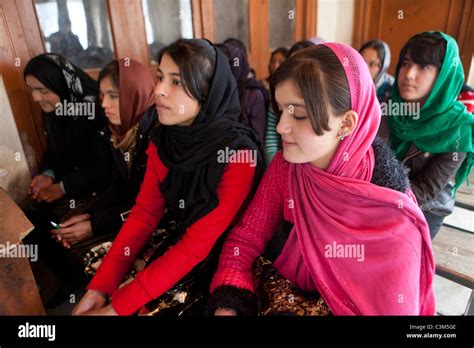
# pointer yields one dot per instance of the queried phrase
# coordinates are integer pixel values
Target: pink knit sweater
(249, 238)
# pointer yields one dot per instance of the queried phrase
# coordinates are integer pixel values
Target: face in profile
(174, 105)
(300, 142)
(42, 95)
(415, 81)
(110, 97)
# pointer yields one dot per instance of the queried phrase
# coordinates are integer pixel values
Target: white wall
(470, 78)
(14, 172)
(335, 20)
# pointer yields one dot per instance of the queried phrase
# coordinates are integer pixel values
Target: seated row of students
(110, 160)
(77, 162)
(334, 183)
(182, 166)
(435, 171)
(311, 185)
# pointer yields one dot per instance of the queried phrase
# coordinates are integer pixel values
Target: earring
(343, 135)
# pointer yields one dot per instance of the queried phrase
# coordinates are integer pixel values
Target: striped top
(272, 138)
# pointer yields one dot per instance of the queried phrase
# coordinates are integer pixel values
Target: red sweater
(180, 259)
(247, 240)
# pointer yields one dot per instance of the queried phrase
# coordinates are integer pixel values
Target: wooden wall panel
(305, 19)
(197, 18)
(259, 53)
(128, 30)
(208, 20)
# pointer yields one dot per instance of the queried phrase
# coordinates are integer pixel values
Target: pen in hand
(55, 225)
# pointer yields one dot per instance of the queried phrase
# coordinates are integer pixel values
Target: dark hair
(281, 50)
(377, 46)
(428, 48)
(196, 59)
(321, 81)
(112, 70)
(237, 43)
(299, 46)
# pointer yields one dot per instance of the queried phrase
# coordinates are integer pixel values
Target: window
(79, 30)
(231, 18)
(165, 22)
(282, 23)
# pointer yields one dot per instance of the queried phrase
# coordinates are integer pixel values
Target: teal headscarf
(444, 124)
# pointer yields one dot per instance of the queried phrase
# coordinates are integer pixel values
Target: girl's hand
(50, 194)
(92, 300)
(107, 310)
(225, 312)
(74, 230)
(38, 183)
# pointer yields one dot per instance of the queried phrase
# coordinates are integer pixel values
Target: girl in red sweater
(201, 167)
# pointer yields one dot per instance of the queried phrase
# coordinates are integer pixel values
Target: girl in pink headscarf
(354, 234)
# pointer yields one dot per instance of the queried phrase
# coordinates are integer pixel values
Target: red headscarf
(136, 95)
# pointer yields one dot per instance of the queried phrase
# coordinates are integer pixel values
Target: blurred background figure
(252, 94)
(376, 54)
(65, 42)
(278, 56)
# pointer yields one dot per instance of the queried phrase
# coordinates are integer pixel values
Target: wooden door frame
(306, 19)
(203, 19)
(306, 14)
(128, 30)
(21, 15)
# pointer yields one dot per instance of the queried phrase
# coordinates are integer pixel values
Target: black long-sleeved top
(124, 186)
(76, 154)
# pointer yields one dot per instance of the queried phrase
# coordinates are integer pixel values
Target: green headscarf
(444, 124)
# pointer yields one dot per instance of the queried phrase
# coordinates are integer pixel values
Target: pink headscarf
(365, 248)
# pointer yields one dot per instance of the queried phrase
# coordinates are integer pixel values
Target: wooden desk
(18, 292)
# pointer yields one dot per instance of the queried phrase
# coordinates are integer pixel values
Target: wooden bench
(465, 196)
(454, 256)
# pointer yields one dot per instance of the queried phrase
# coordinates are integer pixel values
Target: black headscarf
(75, 152)
(62, 78)
(191, 152)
